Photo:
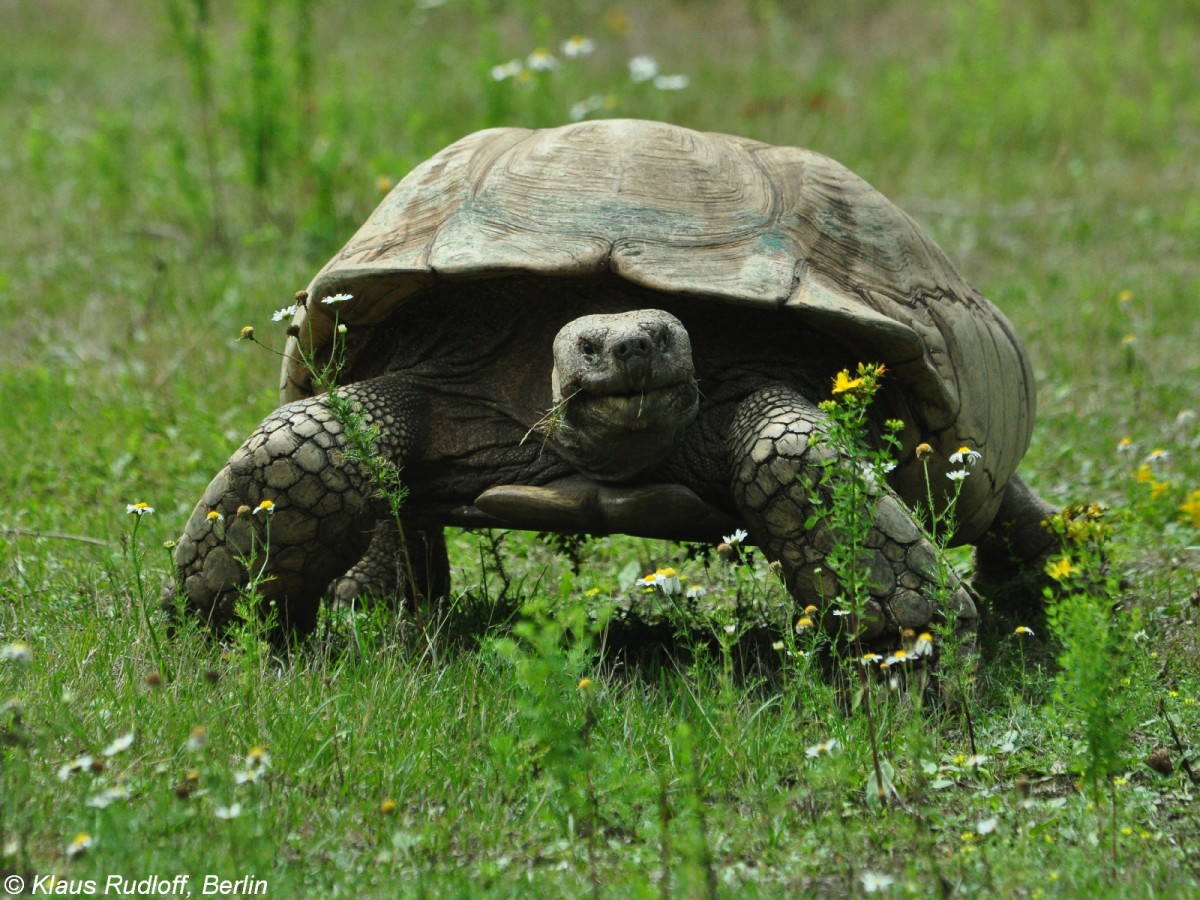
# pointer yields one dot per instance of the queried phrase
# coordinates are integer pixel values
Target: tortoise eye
(587, 347)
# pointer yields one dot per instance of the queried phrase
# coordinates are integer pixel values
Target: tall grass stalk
(191, 25)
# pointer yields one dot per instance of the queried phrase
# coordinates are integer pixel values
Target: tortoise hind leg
(776, 454)
(1016, 544)
(413, 565)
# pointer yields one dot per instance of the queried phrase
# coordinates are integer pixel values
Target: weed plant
(171, 167)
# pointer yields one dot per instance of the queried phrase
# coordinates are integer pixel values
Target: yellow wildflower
(1061, 568)
(843, 382)
(1191, 508)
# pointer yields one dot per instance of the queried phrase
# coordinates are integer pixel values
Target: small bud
(293, 331)
(153, 678)
(300, 297)
(585, 683)
(387, 807)
(247, 333)
(1160, 761)
(923, 451)
(1024, 786)
(243, 511)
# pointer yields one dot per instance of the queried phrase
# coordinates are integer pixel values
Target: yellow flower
(1129, 340)
(585, 683)
(1191, 508)
(843, 382)
(1124, 296)
(1143, 474)
(266, 506)
(804, 623)
(388, 806)
(383, 184)
(1022, 631)
(1158, 488)
(617, 22)
(1061, 568)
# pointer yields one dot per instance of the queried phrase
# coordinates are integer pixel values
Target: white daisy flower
(80, 844)
(671, 82)
(576, 46)
(541, 60)
(121, 744)
(824, 748)
(17, 651)
(965, 456)
(874, 882)
(505, 71)
(643, 68)
(666, 580)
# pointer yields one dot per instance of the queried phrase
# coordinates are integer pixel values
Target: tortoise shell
(698, 214)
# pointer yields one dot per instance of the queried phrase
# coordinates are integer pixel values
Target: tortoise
(681, 301)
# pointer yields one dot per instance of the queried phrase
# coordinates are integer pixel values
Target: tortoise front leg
(774, 461)
(289, 505)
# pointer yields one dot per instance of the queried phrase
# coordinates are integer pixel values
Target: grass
(1052, 149)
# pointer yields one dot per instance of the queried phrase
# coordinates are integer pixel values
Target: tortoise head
(624, 390)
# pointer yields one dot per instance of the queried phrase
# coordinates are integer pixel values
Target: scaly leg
(319, 525)
(773, 464)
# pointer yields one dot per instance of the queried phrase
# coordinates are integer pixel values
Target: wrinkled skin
(668, 418)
